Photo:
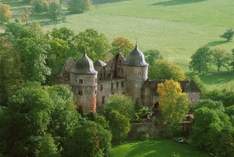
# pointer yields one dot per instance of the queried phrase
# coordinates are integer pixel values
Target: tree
(220, 58)
(163, 70)
(33, 53)
(123, 104)
(212, 130)
(54, 11)
(151, 56)
(29, 114)
(64, 117)
(92, 43)
(121, 45)
(119, 125)
(32, 48)
(201, 60)
(11, 77)
(5, 13)
(228, 35)
(40, 6)
(232, 60)
(173, 104)
(89, 140)
(79, 6)
(47, 147)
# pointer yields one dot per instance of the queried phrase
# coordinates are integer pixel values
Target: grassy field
(162, 148)
(175, 27)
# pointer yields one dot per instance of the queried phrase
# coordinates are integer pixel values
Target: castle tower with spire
(83, 79)
(136, 73)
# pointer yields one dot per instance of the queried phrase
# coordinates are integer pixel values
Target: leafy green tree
(121, 103)
(63, 33)
(232, 60)
(173, 104)
(119, 125)
(47, 147)
(212, 131)
(201, 60)
(163, 70)
(79, 6)
(5, 13)
(32, 47)
(64, 117)
(228, 35)
(40, 6)
(55, 11)
(10, 70)
(230, 111)
(33, 53)
(58, 53)
(29, 113)
(92, 43)
(226, 96)
(220, 58)
(151, 56)
(89, 140)
(121, 45)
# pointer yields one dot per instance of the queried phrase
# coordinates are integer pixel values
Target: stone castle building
(92, 83)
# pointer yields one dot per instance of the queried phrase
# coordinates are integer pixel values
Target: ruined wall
(106, 88)
(85, 90)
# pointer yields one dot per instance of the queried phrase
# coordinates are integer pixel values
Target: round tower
(83, 79)
(136, 70)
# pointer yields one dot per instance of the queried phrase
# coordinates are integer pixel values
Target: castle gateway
(92, 83)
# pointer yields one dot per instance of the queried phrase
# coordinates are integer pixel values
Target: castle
(92, 83)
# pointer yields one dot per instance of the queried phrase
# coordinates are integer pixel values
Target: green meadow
(158, 148)
(177, 28)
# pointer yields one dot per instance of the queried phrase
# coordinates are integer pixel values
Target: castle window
(103, 99)
(80, 92)
(81, 81)
(101, 87)
(117, 84)
(122, 84)
(112, 86)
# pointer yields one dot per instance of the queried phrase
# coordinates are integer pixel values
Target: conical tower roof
(136, 58)
(84, 66)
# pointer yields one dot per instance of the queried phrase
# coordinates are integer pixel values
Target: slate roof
(100, 63)
(84, 66)
(136, 58)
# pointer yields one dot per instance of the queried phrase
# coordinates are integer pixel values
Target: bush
(79, 6)
(119, 125)
(228, 35)
(40, 6)
(123, 104)
(89, 140)
(212, 129)
(225, 96)
(164, 70)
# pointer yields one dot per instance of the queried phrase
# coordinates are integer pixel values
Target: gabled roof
(136, 58)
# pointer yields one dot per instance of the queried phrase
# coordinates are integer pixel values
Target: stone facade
(92, 83)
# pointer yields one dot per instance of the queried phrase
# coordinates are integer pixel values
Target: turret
(136, 70)
(83, 79)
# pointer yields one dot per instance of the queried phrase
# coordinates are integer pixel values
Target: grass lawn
(161, 148)
(175, 27)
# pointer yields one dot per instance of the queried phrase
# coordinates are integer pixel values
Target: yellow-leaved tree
(173, 104)
(5, 13)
